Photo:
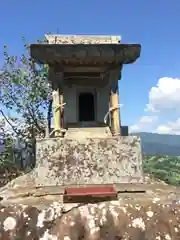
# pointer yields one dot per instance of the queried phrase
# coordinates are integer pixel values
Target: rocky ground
(28, 212)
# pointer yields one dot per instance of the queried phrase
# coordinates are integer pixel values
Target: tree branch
(13, 128)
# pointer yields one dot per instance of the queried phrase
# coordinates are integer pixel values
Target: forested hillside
(159, 144)
(164, 168)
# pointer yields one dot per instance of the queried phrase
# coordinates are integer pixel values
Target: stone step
(88, 132)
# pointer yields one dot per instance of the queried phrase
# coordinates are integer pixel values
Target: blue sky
(153, 24)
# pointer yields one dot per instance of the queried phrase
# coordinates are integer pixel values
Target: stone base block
(88, 161)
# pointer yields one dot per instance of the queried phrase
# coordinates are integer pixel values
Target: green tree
(24, 90)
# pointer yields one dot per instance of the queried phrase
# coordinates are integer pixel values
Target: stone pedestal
(88, 161)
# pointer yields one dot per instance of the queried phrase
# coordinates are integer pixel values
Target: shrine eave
(93, 54)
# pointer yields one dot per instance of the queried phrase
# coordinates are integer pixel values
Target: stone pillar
(115, 112)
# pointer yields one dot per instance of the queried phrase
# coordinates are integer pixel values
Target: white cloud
(143, 123)
(147, 119)
(164, 102)
(170, 127)
(165, 95)
(163, 129)
(134, 128)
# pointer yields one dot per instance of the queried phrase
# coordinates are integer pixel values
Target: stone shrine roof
(82, 39)
(84, 50)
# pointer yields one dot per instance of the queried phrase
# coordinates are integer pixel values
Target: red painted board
(85, 191)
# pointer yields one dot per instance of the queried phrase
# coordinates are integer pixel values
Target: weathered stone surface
(28, 212)
(106, 220)
(91, 54)
(31, 212)
(23, 190)
(88, 161)
(82, 39)
(85, 161)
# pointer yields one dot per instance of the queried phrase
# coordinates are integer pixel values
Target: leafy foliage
(24, 90)
(9, 155)
(164, 168)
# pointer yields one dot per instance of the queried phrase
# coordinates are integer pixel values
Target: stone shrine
(89, 149)
(88, 144)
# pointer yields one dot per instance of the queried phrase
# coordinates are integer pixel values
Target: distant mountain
(159, 144)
